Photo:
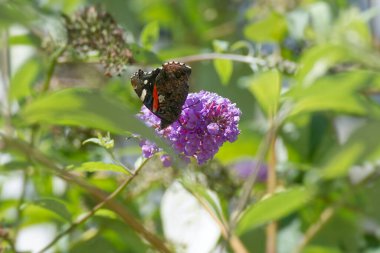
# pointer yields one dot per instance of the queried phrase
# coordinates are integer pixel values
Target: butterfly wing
(172, 89)
(143, 83)
(164, 90)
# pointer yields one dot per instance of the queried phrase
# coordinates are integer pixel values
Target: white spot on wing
(161, 98)
(143, 94)
(145, 81)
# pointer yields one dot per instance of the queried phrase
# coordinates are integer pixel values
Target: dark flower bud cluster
(206, 122)
(93, 30)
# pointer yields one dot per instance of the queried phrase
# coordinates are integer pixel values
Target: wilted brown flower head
(94, 30)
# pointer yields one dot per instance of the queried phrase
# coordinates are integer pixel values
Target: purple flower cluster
(206, 122)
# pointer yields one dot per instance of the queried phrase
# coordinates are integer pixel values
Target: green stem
(213, 56)
(313, 230)
(5, 73)
(51, 68)
(118, 162)
(271, 229)
(21, 200)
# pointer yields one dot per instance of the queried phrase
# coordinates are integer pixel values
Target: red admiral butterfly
(163, 90)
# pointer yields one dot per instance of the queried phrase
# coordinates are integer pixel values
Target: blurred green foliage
(304, 73)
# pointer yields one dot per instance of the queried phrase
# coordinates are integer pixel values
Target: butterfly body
(164, 90)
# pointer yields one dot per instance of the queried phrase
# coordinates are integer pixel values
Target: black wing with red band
(164, 90)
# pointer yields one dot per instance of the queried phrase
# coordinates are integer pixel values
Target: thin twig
(21, 200)
(313, 230)
(221, 224)
(233, 240)
(212, 56)
(98, 194)
(5, 73)
(271, 229)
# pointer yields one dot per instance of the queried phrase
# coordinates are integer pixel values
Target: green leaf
(361, 145)
(352, 28)
(316, 61)
(362, 33)
(144, 56)
(22, 81)
(100, 166)
(105, 141)
(93, 140)
(266, 88)
(13, 165)
(342, 161)
(12, 12)
(273, 208)
(337, 93)
(242, 44)
(220, 45)
(25, 39)
(370, 196)
(320, 249)
(224, 69)
(56, 206)
(341, 231)
(91, 241)
(150, 35)
(272, 28)
(106, 213)
(88, 108)
(367, 79)
(81, 107)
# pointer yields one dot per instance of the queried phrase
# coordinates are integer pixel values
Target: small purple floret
(213, 128)
(165, 159)
(206, 122)
(148, 148)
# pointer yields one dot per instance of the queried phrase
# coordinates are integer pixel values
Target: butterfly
(163, 90)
